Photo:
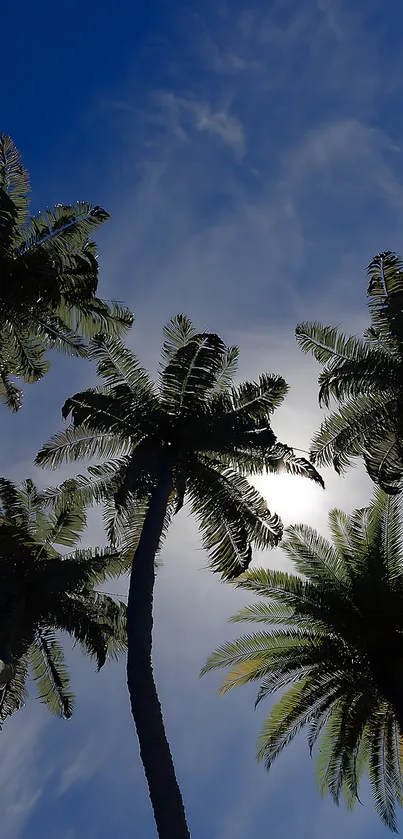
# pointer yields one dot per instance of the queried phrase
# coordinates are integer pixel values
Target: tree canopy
(49, 280)
(211, 434)
(331, 637)
(365, 377)
(44, 592)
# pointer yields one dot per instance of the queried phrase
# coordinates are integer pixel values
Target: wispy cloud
(22, 779)
(205, 118)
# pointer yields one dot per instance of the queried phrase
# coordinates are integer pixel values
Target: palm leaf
(347, 433)
(14, 180)
(14, 694)
(80, 443)
(192, 372)
(119, 368)
(51, 675)
(177, 333)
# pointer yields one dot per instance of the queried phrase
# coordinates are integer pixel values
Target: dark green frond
(97, 316)
(383, 459)
(80, 443)
(385, 295)
(14, 180)
(281, 458)
(383, 765)
(177, 333)
(118, 367)
(294, 710)
(10, 394)
(261, 398)
(192, 372)
(347, 433)
(14, 694)
(108, 412)
(232, 516)
(9, 500)
(327, 344)
(228, 370)
(51, 675)
(25, 352)
(315, 557)
(64, 228)
(76, 617)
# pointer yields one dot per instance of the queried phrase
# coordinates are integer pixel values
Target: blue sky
(251, 158)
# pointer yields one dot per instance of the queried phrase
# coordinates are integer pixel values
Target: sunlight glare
(297, 500)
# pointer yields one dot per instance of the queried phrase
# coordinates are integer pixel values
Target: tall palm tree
(365, 376)
(49, 279)
(194, 436)
(334, 639)
(43, 592)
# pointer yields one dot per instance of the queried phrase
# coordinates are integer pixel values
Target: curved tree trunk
(155, 753)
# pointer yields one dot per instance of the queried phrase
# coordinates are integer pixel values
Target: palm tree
(49, 279)
(338, 641)
(195, 436)
(43, 593)
(365, 376)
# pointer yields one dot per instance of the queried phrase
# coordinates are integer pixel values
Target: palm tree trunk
(165, 795)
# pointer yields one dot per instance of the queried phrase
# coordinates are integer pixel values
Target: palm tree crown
(49, 279)
(43, 592)
(365, 376)
(208, 433)
(339, 644)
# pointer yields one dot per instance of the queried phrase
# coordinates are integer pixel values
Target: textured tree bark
(165, 795)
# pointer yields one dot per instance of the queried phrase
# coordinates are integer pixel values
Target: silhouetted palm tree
(49, 279)
(194, 437)
(365, 376)
(336, 636)
(43, 592)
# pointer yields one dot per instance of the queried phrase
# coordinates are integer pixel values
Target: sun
(297, 500)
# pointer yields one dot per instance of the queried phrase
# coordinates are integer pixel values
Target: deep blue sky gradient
(251, 158)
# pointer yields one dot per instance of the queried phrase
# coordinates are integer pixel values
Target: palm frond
(385, 287)
(294, 710)
(383, 459)
(228, 370)
(281, 458)
(327, 344)
(96, 317)
(80, 443)
(177, 333)
(382, 768)
(14, 694)
(14, 180)
(232, 516)
(261, 398)
(119, 368)
(315, 557)
(10, 394)
(192, 372)
(10, 500)
(347, 433)
(51, 675)
(64, 228)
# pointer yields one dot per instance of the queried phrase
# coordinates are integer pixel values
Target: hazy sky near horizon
(250, 155)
